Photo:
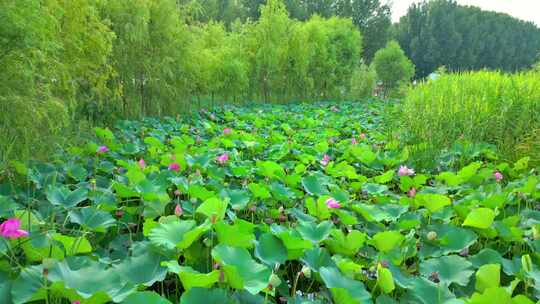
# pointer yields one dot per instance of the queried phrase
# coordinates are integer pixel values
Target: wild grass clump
(478, 107)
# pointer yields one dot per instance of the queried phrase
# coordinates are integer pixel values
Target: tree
(363, 82)
(372, 18)
(393, 68)
(441, 32)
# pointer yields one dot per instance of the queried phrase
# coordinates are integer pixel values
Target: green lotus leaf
(241, 271)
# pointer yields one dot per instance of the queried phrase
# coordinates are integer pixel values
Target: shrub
(393, 68)
(362, 82)
(490, 107)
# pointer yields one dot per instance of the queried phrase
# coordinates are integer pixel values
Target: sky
(528, 10)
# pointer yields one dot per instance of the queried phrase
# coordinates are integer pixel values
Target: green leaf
(451, 269)
(449, 239)
(481, 218)
(143, 266)
(314, 185)
(317, 258)
(270, 169)
(62, 196)
(169, 235)
(295, 244)
(73, 245)
(238, 198)
(387, 240)
(492, 295)
(241, 271)
(488, 276)
(259, 191)
(200, 192)
(426, 292)
(433, 202)
(191, 278)
(313, 232)
(385, 177)
(346, 245)
(90, 278)
(26, 286)
(92, 218)
(344, 290)
(240, 234)
(205, 296)
(363, 153)
(318, 208)
(213, 208)
(270, 250)
(145, 297)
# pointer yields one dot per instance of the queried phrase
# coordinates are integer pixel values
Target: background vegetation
(475, 107)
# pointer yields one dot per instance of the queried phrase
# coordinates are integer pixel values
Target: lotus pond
(268, 204)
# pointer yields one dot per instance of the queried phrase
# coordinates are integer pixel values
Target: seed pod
(536, 232)
(526, 263)
(275, 281)
(432, 235)
(306, 271)
(434, 277)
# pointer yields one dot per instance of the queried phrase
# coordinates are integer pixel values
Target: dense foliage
(480, 107)
(440, 32)
(71, 63)
(274, 204)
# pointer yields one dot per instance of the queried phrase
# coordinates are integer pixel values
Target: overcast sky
(524, 9)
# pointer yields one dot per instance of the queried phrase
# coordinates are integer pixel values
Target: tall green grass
(476, 107)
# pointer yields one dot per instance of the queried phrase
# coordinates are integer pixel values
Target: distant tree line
(443, 33)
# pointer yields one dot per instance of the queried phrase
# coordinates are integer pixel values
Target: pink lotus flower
(10, 229)
(354, 141)
(174, 167)
(223, 158)
(362, 136)
(498, 176)
(227, 131)
(332, 203)
(76, 302)
(325, 160)
(412, 192)
(178, 210)
(404, 171)
(142, 163)
(102, 149)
